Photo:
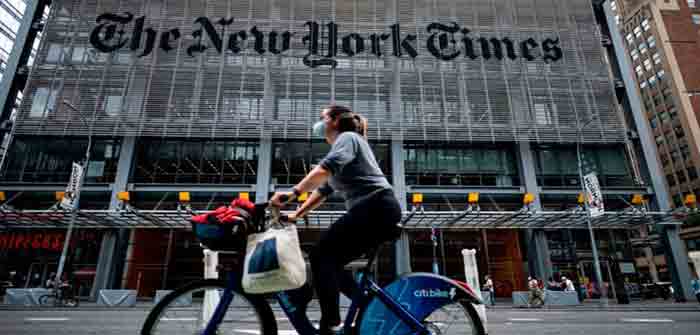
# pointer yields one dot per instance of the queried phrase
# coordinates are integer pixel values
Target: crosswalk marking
(178, 319)
(524, 319)
(46, 319)
(646, 320)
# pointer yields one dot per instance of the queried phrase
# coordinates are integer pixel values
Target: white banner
(594, 196)
(73, 188)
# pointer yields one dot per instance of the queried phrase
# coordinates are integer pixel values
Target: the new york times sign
(446, 41)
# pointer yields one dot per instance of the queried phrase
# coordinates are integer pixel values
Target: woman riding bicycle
(373, 211)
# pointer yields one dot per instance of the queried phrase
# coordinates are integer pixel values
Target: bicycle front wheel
(458, 318)
(188, 309)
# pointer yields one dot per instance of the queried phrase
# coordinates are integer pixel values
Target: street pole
(596, 262)
(74, 210)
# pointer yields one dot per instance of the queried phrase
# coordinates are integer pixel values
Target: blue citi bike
(415, 303)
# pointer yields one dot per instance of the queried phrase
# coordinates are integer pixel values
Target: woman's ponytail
(348, 120)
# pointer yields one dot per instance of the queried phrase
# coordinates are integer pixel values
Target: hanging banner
(594, 195)
(70, 198)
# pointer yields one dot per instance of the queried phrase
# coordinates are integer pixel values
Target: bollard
(211, 297)
(471, 275)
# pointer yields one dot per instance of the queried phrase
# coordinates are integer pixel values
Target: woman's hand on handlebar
(279, 199)
(291, 217)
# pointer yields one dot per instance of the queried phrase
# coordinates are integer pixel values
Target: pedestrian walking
(535, 297)
(695, 285)
(568, 284)
(488, 286)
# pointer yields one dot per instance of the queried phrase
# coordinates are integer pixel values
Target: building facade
(662, 42)
(217, 98)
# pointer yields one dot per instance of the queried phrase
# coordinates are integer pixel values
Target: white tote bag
(273, 261)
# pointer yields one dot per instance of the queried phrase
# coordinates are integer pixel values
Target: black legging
(362, 228)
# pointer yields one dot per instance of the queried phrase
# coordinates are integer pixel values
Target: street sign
(70, 198)
(594, 195)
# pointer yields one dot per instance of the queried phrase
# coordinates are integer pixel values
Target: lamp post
(74, 210)
(594, 247)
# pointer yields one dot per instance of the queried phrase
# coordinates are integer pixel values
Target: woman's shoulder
(351, 136)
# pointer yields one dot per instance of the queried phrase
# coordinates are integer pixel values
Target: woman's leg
(355, 233)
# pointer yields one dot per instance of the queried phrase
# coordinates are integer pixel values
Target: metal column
(262, 186)
(539, 262)
(14, 80)
(402, 247)
(113, 242)
(676, 257)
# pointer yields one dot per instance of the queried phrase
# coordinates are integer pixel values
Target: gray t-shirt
(354, 170)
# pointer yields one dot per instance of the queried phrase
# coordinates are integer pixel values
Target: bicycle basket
(226, 228)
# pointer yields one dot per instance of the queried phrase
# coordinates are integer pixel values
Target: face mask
(319, 129)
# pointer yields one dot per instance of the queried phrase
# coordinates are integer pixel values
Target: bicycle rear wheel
(174, 314)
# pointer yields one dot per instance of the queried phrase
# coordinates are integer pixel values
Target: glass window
(652, 80)
(50, 159)
(196, 162)
(43, 103)
(55, 53)
(657, 58)
(651, 41)
(113, 105)
(692, 173)
(671, 180)
(78, 56)
(637, 32)
(634, 54)
(681, 177)
(643, 84)
(643, 47)
(653, 123)
(542, 114)
(638, 69)
(696, 19)
(691, 3)
(433, 164)
(647, 64)
(660, 74)
(630, 39)
(645, 24)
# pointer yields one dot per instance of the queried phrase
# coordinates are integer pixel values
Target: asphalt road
(128, 321)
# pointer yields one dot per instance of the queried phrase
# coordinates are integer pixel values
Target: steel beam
(539, 263)
(262, 186)
(108, 257)
(191, 188)
(14, 80)
(402, 246)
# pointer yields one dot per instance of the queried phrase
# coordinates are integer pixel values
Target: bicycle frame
(368, 290)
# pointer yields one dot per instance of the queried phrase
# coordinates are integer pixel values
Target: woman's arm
(315, 200)
(312, 181)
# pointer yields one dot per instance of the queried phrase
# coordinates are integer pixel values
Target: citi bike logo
(435, 293)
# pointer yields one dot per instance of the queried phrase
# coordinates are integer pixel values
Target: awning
(321, 219)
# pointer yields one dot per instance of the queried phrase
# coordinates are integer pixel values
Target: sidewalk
(594, 305)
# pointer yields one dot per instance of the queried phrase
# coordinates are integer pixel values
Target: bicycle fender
(420, 294)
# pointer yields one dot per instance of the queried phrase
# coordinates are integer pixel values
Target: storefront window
(50, 160)
(427, 164)
(196, 162)
(557, 166)
(291, 161)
